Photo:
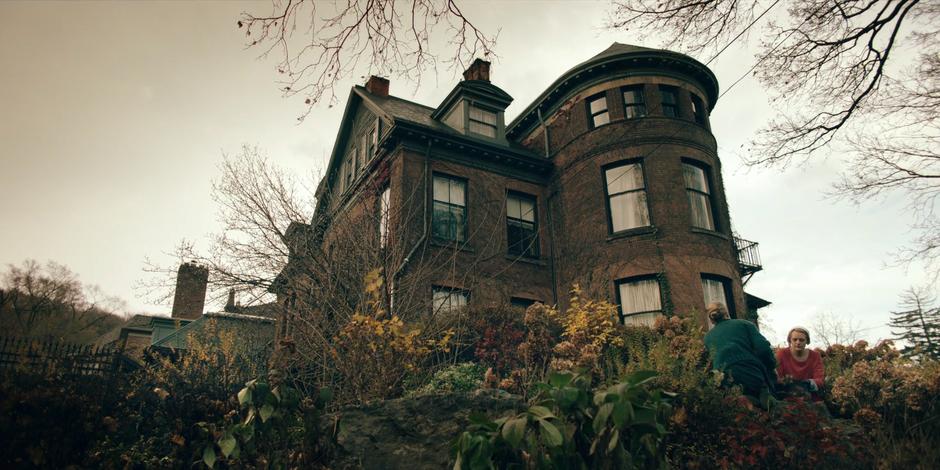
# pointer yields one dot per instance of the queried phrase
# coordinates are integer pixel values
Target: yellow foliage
(216, 358)
(373, 353)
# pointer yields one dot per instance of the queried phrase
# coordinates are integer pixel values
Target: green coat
(739, 350)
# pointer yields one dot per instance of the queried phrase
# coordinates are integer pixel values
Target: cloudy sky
(115, 117)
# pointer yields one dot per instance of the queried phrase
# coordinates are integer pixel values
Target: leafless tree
(918, 325)
(257, 203)
(334, 273)
(830, 329)
(841, 74)
(320, 264)
(319, 43)
(49, 302)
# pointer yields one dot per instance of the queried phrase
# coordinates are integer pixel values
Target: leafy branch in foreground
(567, 426)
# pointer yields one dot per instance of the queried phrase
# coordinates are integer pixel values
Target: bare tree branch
(318, 44)
(838, 75)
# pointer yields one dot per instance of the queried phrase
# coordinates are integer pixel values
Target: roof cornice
(497, 154)
(586, 73)
(477, 90)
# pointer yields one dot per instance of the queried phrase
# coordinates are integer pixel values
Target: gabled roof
(394, 111)
(399, 110)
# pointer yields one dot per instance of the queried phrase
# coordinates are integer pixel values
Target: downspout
(538, 111)
(551, 224)
(424, 222)
(551, 245)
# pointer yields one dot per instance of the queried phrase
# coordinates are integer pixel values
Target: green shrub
(275, 428)
(569, 426)
(459, 378)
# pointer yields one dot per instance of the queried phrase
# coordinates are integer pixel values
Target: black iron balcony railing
(748, 257)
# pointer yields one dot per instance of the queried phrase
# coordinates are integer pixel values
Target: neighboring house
(610, 179)
(254, 323)
(250, 333)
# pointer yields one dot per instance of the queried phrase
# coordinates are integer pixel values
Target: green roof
(179, 338)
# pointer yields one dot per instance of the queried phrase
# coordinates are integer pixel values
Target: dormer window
(482, 122)
(475, 107)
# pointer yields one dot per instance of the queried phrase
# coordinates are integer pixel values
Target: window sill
(527, 260)
(634, 232)
(709, 232)
(453, 245)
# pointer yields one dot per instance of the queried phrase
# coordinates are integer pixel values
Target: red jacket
(811, 368)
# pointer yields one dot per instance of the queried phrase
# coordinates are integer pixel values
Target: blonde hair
(716, 312)
(798, 329)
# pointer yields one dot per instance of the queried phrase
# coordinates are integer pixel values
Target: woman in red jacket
(803, 366)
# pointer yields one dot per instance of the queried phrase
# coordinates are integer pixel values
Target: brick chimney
(478, 70)
(378, 86)
(230, 306)
(190, 297)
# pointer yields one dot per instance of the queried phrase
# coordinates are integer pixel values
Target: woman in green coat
(741, 352)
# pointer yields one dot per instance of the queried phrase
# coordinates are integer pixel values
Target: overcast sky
(115, 117)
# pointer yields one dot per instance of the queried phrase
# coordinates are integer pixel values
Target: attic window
(482, 122)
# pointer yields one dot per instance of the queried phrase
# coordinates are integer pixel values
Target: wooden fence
(55, 357)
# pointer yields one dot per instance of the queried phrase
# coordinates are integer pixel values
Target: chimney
(190, 297)
(230, 305)
(478, 70)
(378, 86)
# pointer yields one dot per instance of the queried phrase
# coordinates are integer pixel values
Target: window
(373, 141)
(696, 186)
(341, 178)
(482, 122)
(717, 289)
(447, 300)
(698, 110)
(383, 216)
(626, 197)
(597, 106)
(640, 300)
(450, 208)
(521, 227)
(357, 158)
(670, 98)
(634, 103)
(350, 171)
